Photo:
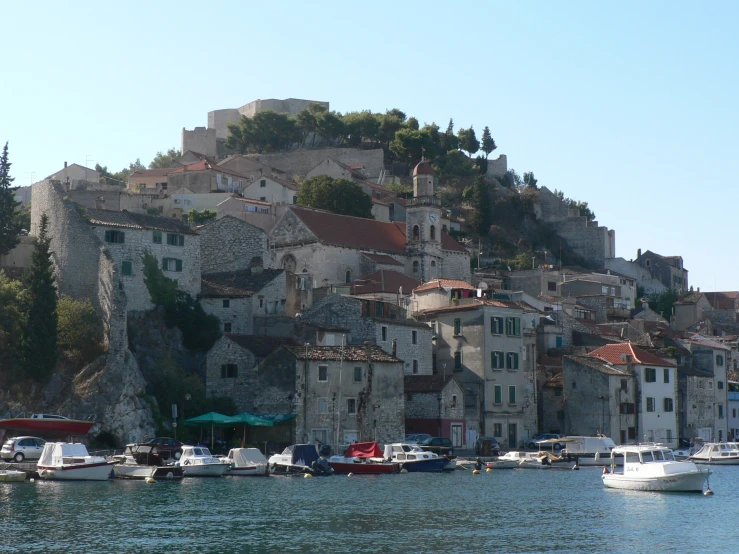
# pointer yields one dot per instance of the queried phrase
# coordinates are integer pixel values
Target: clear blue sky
(630, 106)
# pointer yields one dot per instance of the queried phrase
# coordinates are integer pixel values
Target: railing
(423, 201)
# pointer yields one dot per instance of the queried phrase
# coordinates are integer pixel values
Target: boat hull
(205, 470)
(83, 472)
(681, 482)
(40, 425)
(502, 464)
(724, 461)
(250, 471)
(12, 476)
(160, 473)
(362, 468)
(426, 465)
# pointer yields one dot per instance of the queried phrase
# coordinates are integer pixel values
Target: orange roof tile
(445, 284)
(612, 353)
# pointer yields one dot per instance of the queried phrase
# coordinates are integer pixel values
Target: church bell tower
(423, 225)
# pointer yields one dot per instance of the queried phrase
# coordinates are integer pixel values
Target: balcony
(423, 201)
(620, 313)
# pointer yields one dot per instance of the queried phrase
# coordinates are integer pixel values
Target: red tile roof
(383, 281)
(205, 165)
(612, 353)
(359, 232)
(423, 168)
(445, 284)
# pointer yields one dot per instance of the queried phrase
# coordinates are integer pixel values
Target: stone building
(273, 190)
(238, 297)
(689, 310)
(129, 236)
(442, 293)
(496, 341)
(434, 404)
(669, 270)
(201, 177)
(75, 172)
(232, 244)
(597, 397)
(255, 212)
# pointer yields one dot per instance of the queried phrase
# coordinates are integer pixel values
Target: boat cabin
(627, 459)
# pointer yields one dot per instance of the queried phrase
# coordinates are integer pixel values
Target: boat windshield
(668, 455)
(632, 458)
(646, 457)
(406, 448)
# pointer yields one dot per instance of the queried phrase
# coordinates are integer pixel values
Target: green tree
(10, 322)
(10, 223)
(360, 127)
(79, 330)
(163, 160)
(468, 140)
(478, 197)
(163, 290)
(529, 179)
(449, 140)
(339, 196)
(412, 123)
(487, 144)
(265, 132)
(410, 145)
(330, 127)
(39, 342)
(664, 302)
(199, 218)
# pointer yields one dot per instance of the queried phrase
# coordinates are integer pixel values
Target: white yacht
(72, 462)
(197, 461)
(717, 453)
(526, 460)
(652, 467)
(587, 451)
(246, 461)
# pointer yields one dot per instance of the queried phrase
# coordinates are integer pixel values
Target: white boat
(587, 451)
(72, 462)
(12, 476)
(716, 453)
(652, 467)
(526, 460)
(246, 461)
(143, 461)
(299, 459)
(502, 464)
(197, 461)
(412, 457)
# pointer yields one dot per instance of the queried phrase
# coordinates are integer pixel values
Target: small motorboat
(363, 458)
(716, 453)
(586, 451)
(412, 457)
(12, 476)
(246, 461)
(197, 461)
(526, 460)
(72, 462)
(652, 467)
(299, 459)
(501, 463)
(143, 461)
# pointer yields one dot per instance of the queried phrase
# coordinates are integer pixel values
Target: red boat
(47, 424)
(362, 457)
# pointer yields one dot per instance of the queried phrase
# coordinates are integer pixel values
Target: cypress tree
(10, 223)
(39, 350)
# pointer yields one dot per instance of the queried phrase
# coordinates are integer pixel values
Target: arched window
(432, 232)
(289, 263)
(433, 269)
(348, 276)
(415, 267)
(416, 233)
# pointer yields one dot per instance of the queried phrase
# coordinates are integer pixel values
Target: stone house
(597, 397)
(252, 168)
(128, 236)
(617, 306)
(381, 323)
(231, 244)
(642, 276)
(149, 180)
(535, 282)
(434, 404)
(669, 270)
(255, 212)
(551, 404)
(442, 293)
(330, 245)
(272, 189)
(656, 390)
(237, 297)
(340, 394)
(73, 173)
(689, 310)
(495, 340)
(337, 170)
(181, 201)
(204, 177)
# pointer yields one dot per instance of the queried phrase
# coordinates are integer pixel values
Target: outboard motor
(321, 467)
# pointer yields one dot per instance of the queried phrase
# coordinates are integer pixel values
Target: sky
(629, 106)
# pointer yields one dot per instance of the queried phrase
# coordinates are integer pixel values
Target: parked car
(417, 438)
(439, 445)
(167, 447)
(495, 447)
(18, 449)
(540, 437)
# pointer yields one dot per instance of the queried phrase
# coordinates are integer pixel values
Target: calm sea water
(504, 511)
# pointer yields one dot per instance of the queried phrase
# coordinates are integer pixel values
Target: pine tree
(39, 350)
(10, 223)
(488, 144)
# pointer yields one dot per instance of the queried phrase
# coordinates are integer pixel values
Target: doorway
(457, 435)
(512, 436)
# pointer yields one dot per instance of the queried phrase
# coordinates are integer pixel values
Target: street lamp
(439, 399)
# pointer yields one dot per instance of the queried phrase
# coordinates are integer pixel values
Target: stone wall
(219, 120)
(599, 303)
(425, 405)
(300, 162)
(498, 166)
(200, 140)
(288, 106)
(238, 313)
(230, 244)
(338, 311)
(20, 256)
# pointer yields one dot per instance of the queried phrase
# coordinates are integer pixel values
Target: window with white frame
(351, 406)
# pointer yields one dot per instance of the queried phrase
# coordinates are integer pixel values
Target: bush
(79, 330)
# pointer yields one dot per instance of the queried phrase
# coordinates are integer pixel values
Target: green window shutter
(181, 240)
(164, 263)
(178, 265)
(498, 394)
(223, 371)
(123, 237)
(107, 236)
(518, 326)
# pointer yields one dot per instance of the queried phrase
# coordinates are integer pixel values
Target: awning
(251, 419)
(211, 418)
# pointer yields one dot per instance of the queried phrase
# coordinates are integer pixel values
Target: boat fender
(403, 470)
(708, 492)
(307, 475)
(476, 472)
(151, 480)
(32, 480)
(350, 474)
(489, 470)
(170, 475)
(575, 467)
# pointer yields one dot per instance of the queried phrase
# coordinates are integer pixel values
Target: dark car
(167, 447)
(439, 445)
(494, 446)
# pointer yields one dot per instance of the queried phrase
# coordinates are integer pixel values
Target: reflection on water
(503, 511)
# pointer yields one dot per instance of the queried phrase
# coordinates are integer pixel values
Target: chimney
(638, 253)
(629, 365)
(65, 165)
(395, 348)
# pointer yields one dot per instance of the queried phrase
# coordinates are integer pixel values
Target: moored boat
(716, 453)
(652, 467)
(586, 451)
(299, 459)
(72, 462)
(47, 424)
(364, 458)
(246, 461)
(12, 476)
(143, 461)
(526, 460)
(411, 457)
(197, 461)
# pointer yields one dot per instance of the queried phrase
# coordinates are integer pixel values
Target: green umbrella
(212, 419)
(245, 419)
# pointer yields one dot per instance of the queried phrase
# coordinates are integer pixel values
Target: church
(336, 249)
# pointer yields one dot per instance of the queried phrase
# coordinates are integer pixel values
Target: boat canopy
(363, 450)
(54, 452)
(301, 454)
(247, 457)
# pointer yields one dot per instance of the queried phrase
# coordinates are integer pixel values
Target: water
(503, 511)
